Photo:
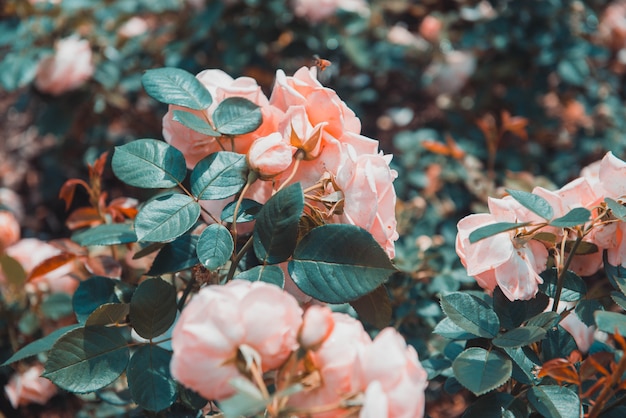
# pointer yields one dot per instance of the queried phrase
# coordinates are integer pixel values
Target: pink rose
(30, 252)
(270, 155)
(317, 325)
(318, 10)
(28, 387)
(430, 28)
(612, 176)
(369, 197)
(334, 361)
(9, 230)
(219, 320)
(502, 260)
(134, 26)
(583, 334)
(392, 377)
(194, 145)
(67, 69)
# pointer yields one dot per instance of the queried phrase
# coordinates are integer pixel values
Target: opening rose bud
(317, 325)
(270, 155)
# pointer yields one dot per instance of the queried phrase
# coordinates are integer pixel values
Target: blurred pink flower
(134, 26)
(392, 377)
(449, 75)
(68, 69)
(9, 230)
(334, 361)
(270, 155)
(317, 325)
(28, 387)
(399, 35)
(220, 319)
(430, 28)
(317, 10)
(502, 260)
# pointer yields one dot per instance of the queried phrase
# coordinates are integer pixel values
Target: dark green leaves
(149, 379)
(533, 202)
(619, 211)
(153, 308)
(574, 288)
(215, 246)
(471, 314)
(555, 401)
(611, 322)
(87, 359)
(339, 263)
(493, 229)
(92, 293)
(237, 116)
(40, 345)
(480, 370)
(166, 217)
(220, 175)
(276, 228)
(106, 234)
(177, 87)
(194, 122)
(519, 337)
(576, 216)
(149, 163)
(270, 274)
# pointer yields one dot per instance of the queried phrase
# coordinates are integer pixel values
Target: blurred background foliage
(470, 96)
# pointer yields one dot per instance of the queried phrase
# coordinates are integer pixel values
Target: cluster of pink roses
(513, 260)
(339, 366)
(67, 69)
(308, 135)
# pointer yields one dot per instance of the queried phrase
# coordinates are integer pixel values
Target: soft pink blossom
(221, 319)
(28, 387)
(134, 26)
(9, 229)
(430, 28)
(68, 69)
(335, 362)
(317, 325)
(502, 260)
(317, 10)
(612, 176)
(399, 35)
(270, 155)
(583, 334)
(449, 75)
(392, 376)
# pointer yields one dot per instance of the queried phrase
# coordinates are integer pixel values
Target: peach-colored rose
(219, 320)
(67, 69)
(369, 197)
(134, 26)
(194, 145)
(317, 325)
(334, 361)
(28, 387)
(612, 176)
(392, 378)
(430, 28)
(9, 230)
(30, 252)
(270, 155)
(317, 10)
(583, 334)
(501, 260)
(297, 127)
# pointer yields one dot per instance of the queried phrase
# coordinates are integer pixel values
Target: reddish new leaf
(51, 264)
(69, 187)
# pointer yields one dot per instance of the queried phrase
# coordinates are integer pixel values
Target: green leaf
(525, 363)
(13, 271)
(554, 401)
(109, 313)
(153, 308)
(87, 359)
(491, 405)
(619, 210)
(513, 313)
(106, 234)
(194, 122)
(57, 306)
(585, 310)
(166, 217)
(237, 116)
(40, 345)
(247, 400)
(339, 263)
(494, 229)
(191, 399)
(248, 211)
(220, 175)
(574, 288)
(268, 273)
(448, 329)
(175, 256)
(584, 247)
(615, 274)
(480, 370)
(519, 337)
(558, 343)
(177, 87)
(276, 228)
(471, 314)
(215, 246)
(545, 320)
(533, 202)
(575, 217)
(574, 70)
(149, 163)
(92, 293)
(611, 322)
(374, 308)
(619, 298)
(149, 379)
